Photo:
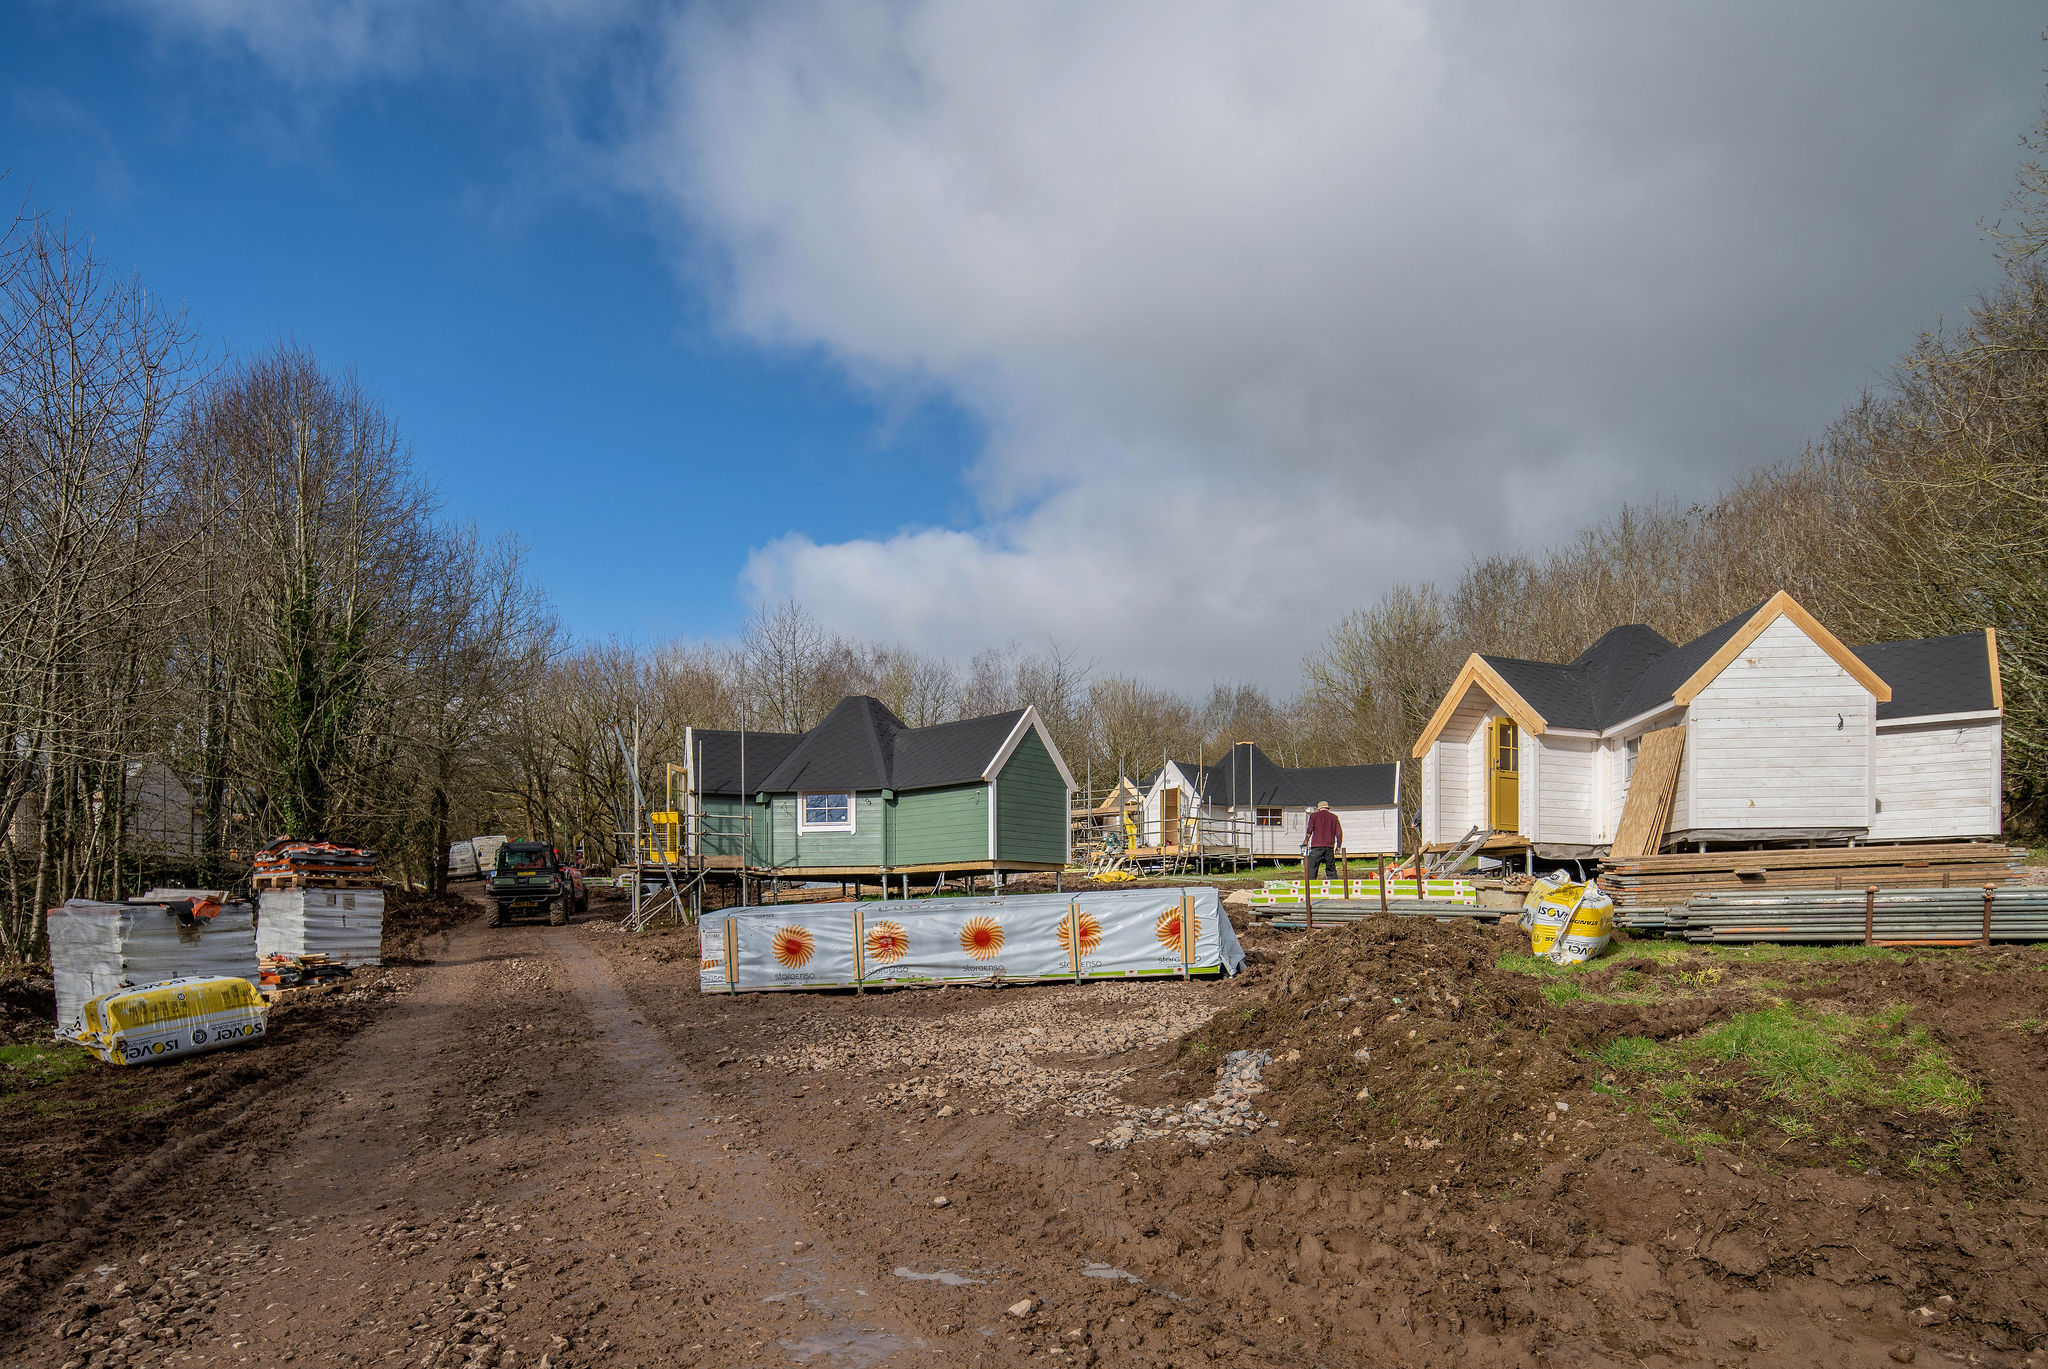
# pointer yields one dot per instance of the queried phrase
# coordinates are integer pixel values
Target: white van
(475, 858)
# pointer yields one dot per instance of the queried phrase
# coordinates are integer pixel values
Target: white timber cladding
(1368, 831)
(1781, 739)
(1565, 786)
(1428, 801)
(1460, 760)
(1937, 780)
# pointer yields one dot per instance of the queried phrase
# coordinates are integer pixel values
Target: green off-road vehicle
(533, 875)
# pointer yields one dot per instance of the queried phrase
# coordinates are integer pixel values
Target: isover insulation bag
(1567, 923)
(173, 1018)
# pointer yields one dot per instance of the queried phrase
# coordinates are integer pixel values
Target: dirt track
(551, 1147)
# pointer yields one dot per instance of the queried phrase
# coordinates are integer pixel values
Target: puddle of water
(843, 1347)
(944, 1276)
(1108, 1271)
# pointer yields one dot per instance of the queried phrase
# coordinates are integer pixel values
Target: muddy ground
(543, 1145)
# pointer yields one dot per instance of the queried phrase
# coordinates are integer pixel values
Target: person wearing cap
(1325, 835)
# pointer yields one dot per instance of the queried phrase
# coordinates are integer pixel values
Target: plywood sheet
(1650, 791)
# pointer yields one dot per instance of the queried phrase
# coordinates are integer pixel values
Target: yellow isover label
(1567, 923)
(176, 1017)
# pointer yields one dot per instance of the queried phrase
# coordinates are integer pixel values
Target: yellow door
(1504, 776)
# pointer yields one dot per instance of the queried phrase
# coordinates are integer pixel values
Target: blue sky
(1169, 331)
(556, 376)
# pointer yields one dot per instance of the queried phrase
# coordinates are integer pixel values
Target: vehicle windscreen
(522, 860)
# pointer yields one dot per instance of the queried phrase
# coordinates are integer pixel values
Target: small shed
(1787, 735)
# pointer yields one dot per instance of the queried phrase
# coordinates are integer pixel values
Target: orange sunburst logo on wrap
(1091, 933)
(793, 947)
(982, 937)
(886, 943)
(1167, 929)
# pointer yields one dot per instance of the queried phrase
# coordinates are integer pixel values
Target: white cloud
(1267, 306)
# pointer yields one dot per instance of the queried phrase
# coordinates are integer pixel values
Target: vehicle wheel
(497, 914)
(583, 902)
(558, 912)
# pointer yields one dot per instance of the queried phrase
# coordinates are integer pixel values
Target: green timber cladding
(1031, 805)
(928, 797)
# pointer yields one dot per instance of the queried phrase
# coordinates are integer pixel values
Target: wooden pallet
(297, 880)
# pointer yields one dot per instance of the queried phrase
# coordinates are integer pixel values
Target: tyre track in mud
(509, 1168)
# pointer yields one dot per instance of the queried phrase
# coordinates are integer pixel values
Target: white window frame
(803, 812)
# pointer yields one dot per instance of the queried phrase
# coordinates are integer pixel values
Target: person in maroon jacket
(1325, 835)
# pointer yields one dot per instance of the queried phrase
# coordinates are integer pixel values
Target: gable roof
(718, 758)
(950, 753)
(862, 746)
(1937, 675)
(1633, 670)
(1246, 777)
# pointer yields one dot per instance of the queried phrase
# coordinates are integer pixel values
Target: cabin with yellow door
(1789, 736)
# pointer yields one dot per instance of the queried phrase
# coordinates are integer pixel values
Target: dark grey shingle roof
(861, 745)
(950, 753)
(718, 758)
(1933, 675)
(1630, 670)
(849, 750)
(1248, 778)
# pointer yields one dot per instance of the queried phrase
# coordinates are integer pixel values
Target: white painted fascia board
(992, 820)
(1668, 706)
(1981, 716)
(1579, 733)
(1016, 739)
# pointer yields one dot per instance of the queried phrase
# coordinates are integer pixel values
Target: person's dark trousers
(1322, 856)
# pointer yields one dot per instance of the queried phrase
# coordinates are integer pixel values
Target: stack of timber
(1669, 880)
(280, 971)
(1956, 916)
(289, 864)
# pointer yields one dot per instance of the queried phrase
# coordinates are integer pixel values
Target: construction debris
(1669, 880)
(280, 971)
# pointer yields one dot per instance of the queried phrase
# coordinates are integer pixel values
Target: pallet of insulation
(344, 926)
(102, 948)
(1666, 880)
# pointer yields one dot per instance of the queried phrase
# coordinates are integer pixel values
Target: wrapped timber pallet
(1668, 880)
(346, 926)
(102, 948)
(1136, 933)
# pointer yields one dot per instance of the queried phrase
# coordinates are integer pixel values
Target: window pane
(823, 809)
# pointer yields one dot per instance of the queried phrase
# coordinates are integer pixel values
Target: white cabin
(1249, 801)
(1790, 736)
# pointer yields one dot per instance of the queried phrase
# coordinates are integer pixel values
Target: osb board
(1650, 790)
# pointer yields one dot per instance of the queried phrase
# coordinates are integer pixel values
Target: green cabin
(862, 793)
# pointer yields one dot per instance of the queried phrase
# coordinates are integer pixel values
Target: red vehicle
(533, 875)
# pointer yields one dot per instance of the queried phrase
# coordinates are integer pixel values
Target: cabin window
(826, 813)
(1628, 767)
(1269, 817)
